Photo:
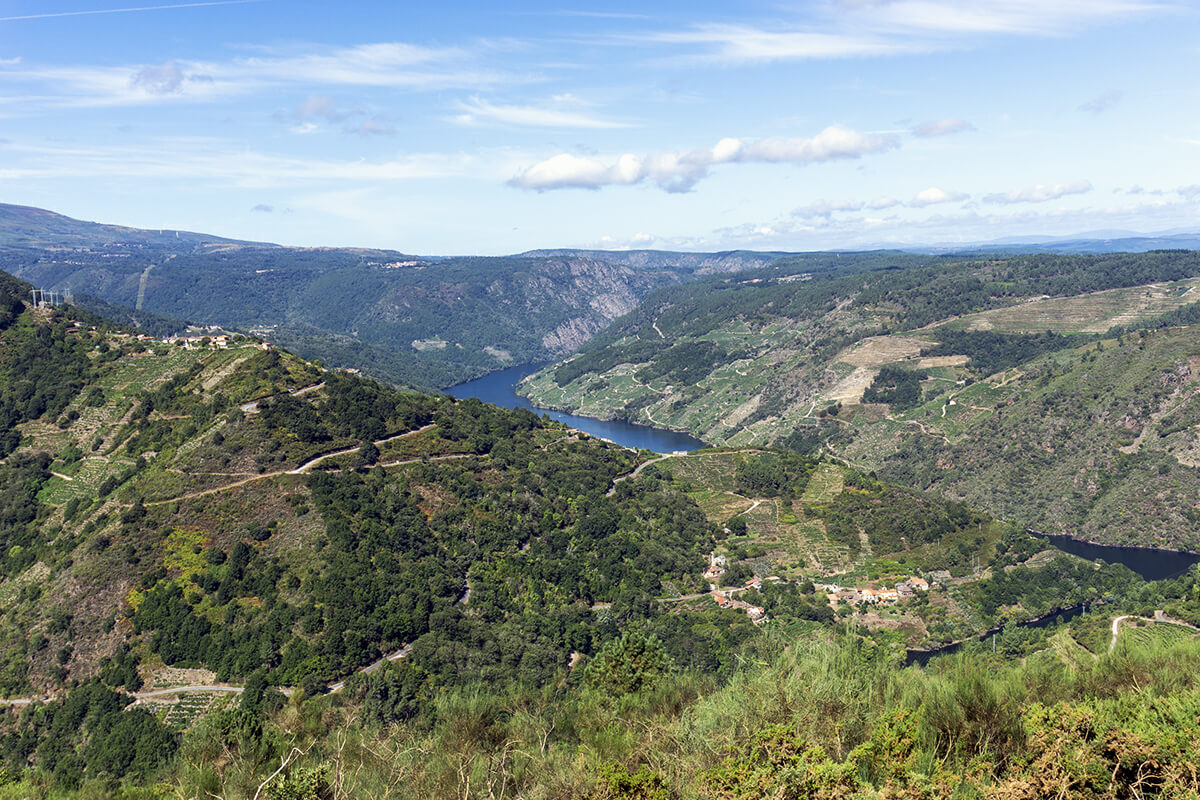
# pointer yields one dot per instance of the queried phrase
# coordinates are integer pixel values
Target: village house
(716, 567)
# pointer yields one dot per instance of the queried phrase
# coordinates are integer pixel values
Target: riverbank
(499, 388)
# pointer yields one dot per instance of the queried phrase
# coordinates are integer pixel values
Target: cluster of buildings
(219, 342)
(854, 595)
(857, 595)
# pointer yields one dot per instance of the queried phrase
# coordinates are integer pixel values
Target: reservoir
(499, 388)
(1151, 564)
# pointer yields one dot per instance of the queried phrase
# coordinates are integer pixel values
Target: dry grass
(1088, 313)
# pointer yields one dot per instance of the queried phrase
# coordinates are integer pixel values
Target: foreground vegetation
(830, 716)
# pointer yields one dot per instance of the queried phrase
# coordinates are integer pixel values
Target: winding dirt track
(223, 687)
(303, 468)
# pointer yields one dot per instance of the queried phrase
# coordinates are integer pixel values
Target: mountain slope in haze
(871, 364)
(37, 228)
(697, 263)
(426, 322)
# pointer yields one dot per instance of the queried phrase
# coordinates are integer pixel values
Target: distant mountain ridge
(423, 321)
(426, 322)
(26, 226)
(698, 263)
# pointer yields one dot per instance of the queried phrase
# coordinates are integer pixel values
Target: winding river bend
(499, 388)
(1151, 564)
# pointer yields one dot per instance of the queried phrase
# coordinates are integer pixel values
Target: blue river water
(1151, 564)
(499, 388)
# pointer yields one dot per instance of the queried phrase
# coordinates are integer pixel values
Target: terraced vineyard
(1141, 632)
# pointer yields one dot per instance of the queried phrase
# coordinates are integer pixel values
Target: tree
(631, 663)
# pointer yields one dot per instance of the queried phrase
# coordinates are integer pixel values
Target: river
(1151, 564)
(499, 388)
(1055, 617)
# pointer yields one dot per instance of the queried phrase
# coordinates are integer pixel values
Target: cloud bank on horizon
(472, 128)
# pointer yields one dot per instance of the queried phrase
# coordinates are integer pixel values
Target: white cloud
(392, 64)
(881, 203)
(742, 43)
(167, 79)
(475, 111)
(941, 127)
(1190, 192)
(1040, 193)
(566, 171)
(825, 209)
(853, 28)
(1037, 17)
(1102, 102)
(228, 163)
(679, 172)
(638, 241)
(934, 196)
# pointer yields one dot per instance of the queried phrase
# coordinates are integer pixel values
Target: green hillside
(228, 571)
(418, 321)
(981, 379)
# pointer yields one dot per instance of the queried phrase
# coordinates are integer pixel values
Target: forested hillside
(995, 378)
(421, 321)
(228, 571)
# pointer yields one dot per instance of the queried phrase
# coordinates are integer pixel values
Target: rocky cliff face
(698, 263)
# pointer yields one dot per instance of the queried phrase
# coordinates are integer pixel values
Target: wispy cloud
(824, 208)
(744, 43)
(680, 171)
(52, 14)
(395, 65)
(1040, 193)
(941, 127)
(230, 164)
(1036, 17)
(862, 28)
(1102, 102)
(476, 111)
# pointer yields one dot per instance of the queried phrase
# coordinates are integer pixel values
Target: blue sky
(455, 128)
